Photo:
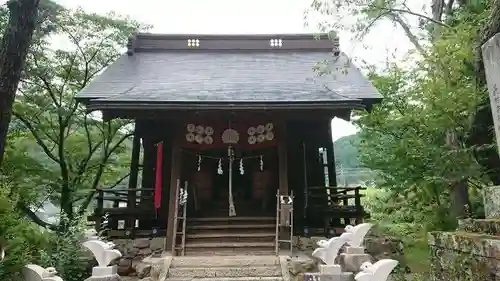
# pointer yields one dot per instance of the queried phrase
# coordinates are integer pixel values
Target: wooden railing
(120, 215)
(336, 206)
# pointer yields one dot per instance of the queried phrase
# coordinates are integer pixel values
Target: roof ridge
(147, 42)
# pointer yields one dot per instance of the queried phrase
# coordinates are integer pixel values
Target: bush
(28, 243)
(23, 239)
(64, 251)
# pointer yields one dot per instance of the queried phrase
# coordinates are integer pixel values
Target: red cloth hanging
(159, 173)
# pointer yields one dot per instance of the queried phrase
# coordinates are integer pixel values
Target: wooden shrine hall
(233, 146)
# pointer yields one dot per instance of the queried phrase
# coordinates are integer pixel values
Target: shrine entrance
(236, 176)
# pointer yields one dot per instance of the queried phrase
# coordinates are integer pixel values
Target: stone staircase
(225, 268)
(219, 236)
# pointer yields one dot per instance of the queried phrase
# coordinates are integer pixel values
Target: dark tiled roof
(177, 76)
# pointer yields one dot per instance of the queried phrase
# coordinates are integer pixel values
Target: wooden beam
(177, 115)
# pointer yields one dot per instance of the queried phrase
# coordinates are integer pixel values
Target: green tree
(443, 86)
(70, 152)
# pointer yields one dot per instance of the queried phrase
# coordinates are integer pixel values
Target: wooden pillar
(175, 174)
(134, 174)
(282, 159)
(332, 172)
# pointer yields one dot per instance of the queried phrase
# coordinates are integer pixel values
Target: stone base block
(343, 276)
(352, 262)
(114, 277)
(483, 226)
(334, 269)
(491, 197)
(99, 271)
(355, 250)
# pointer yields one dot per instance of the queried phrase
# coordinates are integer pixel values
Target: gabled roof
(177, 70)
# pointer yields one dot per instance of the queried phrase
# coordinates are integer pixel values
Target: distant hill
(347, 166)
(346, 152)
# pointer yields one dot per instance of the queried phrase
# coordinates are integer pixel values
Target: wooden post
(98, 211)
(175, 174)
(332, 173)
(282, 159)
(134, 173)
(357, 203)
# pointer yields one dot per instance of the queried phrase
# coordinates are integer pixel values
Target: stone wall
(135, 250)
(471, 253)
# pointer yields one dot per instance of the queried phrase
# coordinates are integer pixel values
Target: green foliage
(416, 138)
(65, 253)
(24, 239)
(67, 152)
(56, 151)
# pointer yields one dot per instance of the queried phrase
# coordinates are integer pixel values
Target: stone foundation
(471, 253)
(135, 250)
(491, 197)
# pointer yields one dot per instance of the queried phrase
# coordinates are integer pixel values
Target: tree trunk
(459, 188)
(460, 199)
(15, 43)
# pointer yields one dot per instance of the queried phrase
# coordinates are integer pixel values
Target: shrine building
(233, 146)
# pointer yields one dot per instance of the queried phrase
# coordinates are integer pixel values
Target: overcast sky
(249, 16)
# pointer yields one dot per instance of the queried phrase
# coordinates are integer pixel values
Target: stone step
(255, 251)
(273, 278)
(230, 245)
(204, 272)
(230, 237)
(232, 219)
(229, 230)
(232, 226)
(239, 261)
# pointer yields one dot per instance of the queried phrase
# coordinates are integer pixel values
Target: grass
(417, 256)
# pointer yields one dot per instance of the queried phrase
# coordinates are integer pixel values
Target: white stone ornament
(322, 243)
(261, 129)
(379, 271)
(91, 234)
(331, 249)
(269, 127)
(33, 272)
(358, 233)
(103, 252)
(261, 138)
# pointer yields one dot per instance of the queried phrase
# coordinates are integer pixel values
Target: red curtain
(159, 173)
